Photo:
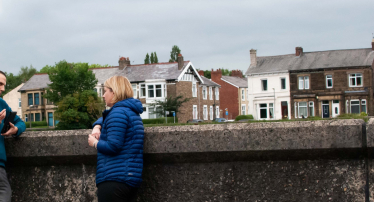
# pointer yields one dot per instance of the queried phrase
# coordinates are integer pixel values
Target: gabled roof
(236, 81)
(38, 81)
(313, 60)
(208, 82)
(138, 73)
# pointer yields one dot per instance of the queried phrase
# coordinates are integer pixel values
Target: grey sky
(212, 34)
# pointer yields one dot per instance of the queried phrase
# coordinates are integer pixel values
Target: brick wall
(228, 96)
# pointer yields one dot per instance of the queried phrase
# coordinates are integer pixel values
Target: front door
(50, 119)
(284, 110)
(335, 108)
(325, 109)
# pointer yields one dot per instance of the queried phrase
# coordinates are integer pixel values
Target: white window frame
(134, 89)
(359, 106)
(262, 85)
(19, 103)
(205, 112)
(355, 76)
(298, 109)
(217, 111)
(243, 109)
(211, 112)
(303, 82)
(155, 90)
(259, 110)
(141, 88)
(217, 93)
(285, 83)
(243, 94)
(210, 93)
(347, 107)
(204, 93)
(311, 105)
(194, 112)
(295, 110)
(194, 90)
(329, 77)
(364, 103)
(272, 110)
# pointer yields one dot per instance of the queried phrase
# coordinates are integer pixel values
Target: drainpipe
(274, 103)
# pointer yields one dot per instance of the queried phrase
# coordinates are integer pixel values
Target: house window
(211, 112)
(347, 106)
(311, 108)
(37, 116)
(142, 90)
(100, 92)
(217, 111)
(363, 106)
(243, 110)
(19, 102)
(194, 111)
(133, 90)
(355, 106)
(303, 82)
(204, 93)
(355, 80)
(152, 112)
(165, 91)
(151, 91)
(194, 94)
(303, 110)
(243, 94)
(210, 93)
(36, 98)
(271, 110)
(264, 84)
(283, 83)
(29, 96)
(263, 111)
(205, 112)
(328, 81)
(217, 93)
(295, 106)
(159, 90)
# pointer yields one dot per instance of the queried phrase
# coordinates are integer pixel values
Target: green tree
(156, 59)
(67, 79)
(71, 88)
(26, 73)
(174, 53)
(169, 104)
(207, 74)
(46, 69)
(79, 110)
(146, 60)
(152, 58)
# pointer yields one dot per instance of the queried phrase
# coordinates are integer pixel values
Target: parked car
(220, 120)
(195, 121)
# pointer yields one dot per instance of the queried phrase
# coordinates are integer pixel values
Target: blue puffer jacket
(120, 148)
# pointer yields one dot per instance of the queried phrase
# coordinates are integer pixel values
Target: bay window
(142, 90)
(355, 106)
(303, 111)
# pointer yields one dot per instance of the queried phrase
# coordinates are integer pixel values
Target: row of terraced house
(298, 85)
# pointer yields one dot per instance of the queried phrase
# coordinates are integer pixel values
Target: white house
(268, 89)
(13, 99)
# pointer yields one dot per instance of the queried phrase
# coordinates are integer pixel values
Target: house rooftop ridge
(160, 63)
(293, 54)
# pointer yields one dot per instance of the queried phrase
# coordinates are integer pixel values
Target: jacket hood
(134, 104)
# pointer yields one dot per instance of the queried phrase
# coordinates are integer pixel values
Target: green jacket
(17, 122)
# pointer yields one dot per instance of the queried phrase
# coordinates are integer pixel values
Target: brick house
(33, 105)
(234, 93)
(330, 83)
(153, 82)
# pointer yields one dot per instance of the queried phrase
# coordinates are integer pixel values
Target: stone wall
(281, 161)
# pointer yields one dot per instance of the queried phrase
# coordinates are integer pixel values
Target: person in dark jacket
(17, 126)
(118, 137)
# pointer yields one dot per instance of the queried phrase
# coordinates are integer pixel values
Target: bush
(160, 120)
(240, 117)
(35, 124)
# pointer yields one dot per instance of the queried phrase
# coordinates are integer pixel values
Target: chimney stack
(216, 75)
(123, 63)
(299, 51)
(180, 61)
(237, 73)
(201, 72)
(253, 54)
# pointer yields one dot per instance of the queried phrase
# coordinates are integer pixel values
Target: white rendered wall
(257, 96)
(12, 99)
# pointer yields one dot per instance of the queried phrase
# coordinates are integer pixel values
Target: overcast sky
(211, 34)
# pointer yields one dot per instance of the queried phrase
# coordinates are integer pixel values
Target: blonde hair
(120, 86)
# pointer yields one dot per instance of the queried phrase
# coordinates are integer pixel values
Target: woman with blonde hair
(118, 137)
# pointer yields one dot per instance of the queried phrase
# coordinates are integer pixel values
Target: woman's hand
(96, 132)
(92, 141)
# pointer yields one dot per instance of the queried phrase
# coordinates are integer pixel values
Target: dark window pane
(151, 92)
(283, 83)
(359, 81)
(363, 108)
(37, 117)
(329, 82)
(263, 105)
(355, 102)
(263, 113)
(36, 98)
(30, 98)
(355, 109)
(158, 93)
(353, 81)
(264, 85)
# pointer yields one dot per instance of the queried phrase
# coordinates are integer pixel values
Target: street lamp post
(274, 102)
